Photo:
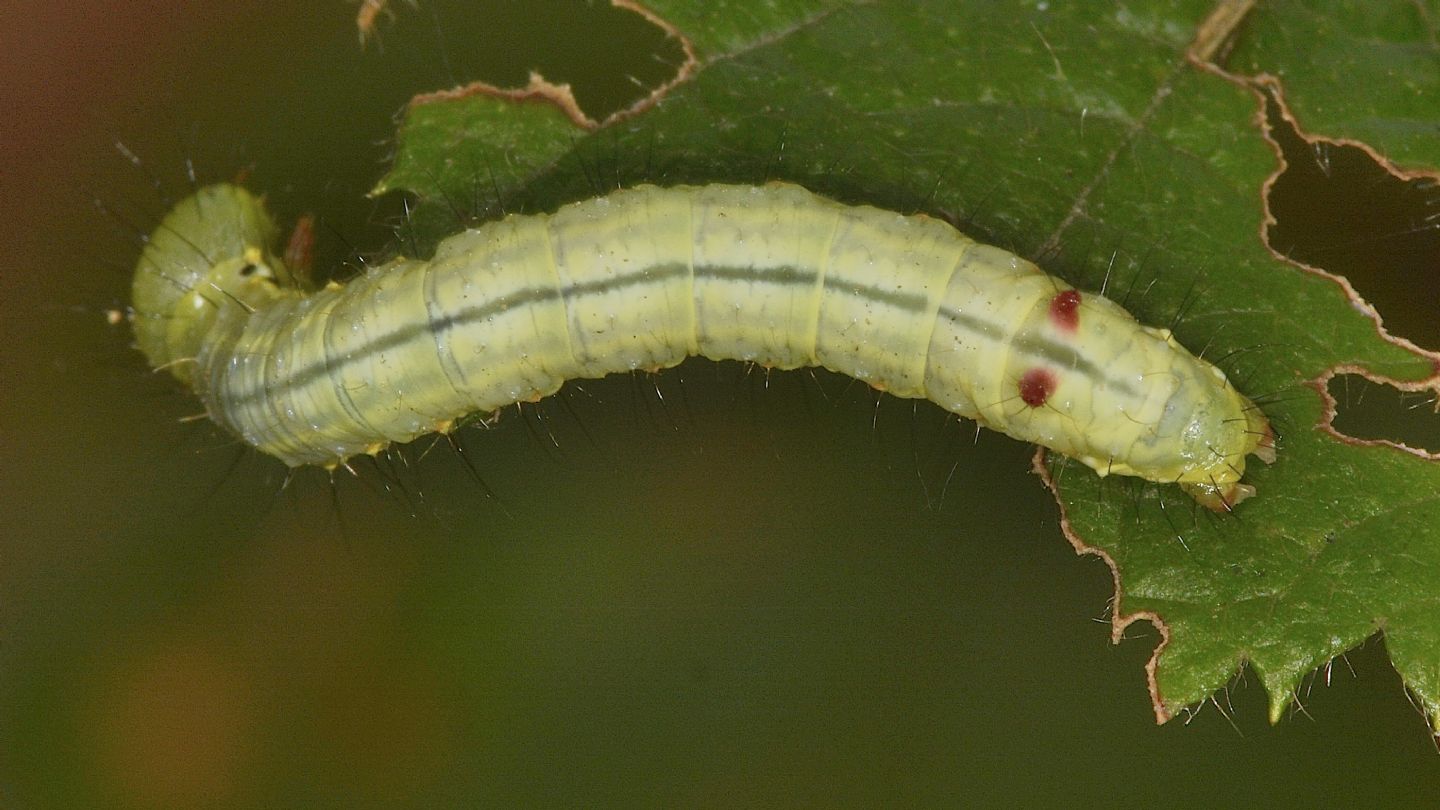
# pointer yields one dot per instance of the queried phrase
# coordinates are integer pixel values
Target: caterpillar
(644, 277)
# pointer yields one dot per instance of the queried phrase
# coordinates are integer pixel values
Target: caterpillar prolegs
(643, 278)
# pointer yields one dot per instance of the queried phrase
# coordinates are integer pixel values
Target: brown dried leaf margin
(540, 89)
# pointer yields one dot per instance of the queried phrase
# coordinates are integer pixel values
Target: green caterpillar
(645, 277)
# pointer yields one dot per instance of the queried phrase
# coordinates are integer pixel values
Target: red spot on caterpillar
(1065, 310)
(1036, 386)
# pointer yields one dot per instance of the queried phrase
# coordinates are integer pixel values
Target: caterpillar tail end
(1225, 496)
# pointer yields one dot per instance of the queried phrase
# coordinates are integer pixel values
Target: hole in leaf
(1338, 209)
(1365, 409)
(611, 58)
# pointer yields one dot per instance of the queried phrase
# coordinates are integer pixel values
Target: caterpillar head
(209, 254)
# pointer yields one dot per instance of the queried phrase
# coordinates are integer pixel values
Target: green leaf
(1367, 72)
(1078, 134)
